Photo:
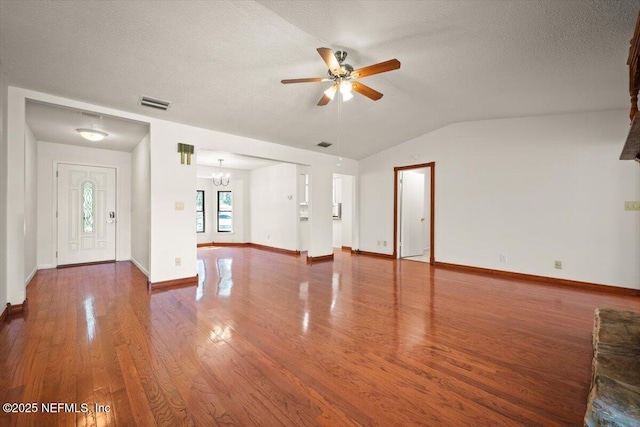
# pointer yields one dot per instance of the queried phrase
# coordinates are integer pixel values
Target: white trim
(46, 266)
(140, 267)
(30, 276)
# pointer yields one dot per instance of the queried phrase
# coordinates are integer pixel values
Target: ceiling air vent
(324, 144)
(158, 104)
(92, 115)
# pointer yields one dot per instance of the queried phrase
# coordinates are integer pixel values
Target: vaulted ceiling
(221, 62)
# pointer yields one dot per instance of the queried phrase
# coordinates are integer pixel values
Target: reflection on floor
(421, 258)
(268, 339)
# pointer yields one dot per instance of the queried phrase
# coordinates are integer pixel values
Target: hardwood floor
(266, 339)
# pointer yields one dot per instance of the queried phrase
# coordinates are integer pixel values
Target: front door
(86, 214)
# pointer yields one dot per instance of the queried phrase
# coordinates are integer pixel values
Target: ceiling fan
(343, 76)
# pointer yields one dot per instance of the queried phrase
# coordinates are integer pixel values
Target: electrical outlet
(504, 258)
(378, 242)
(384, 243)
(178, 262)
(558, 264)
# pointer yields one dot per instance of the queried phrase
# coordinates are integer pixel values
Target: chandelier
(221, 178)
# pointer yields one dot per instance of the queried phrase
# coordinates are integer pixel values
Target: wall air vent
(158, 104)
(324, 144)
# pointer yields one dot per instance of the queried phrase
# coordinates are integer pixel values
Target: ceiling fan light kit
(343, 76)
(331, 92)
(346, 94)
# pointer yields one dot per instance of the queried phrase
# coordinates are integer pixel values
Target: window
(199, 211)
(87, 207)
(225, 211)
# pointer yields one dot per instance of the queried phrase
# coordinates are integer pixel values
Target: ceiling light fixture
(92, 135)
(331, 92)
(345, 87)
(221, 178)
(345, 90)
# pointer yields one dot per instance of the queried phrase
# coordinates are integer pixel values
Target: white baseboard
(28, 280)
(46, 266)
(140, 267)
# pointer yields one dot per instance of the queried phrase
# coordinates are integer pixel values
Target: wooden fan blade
(366, 91)
(382, 67)
(329, 58)
(308, 80)
(328, 95)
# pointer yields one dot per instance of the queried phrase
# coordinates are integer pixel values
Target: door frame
(54, 217)
(432, 213)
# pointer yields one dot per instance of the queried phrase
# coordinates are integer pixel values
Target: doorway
(86, 214)
(342, 211)
(414, 212)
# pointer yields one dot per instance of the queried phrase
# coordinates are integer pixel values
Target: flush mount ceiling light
(92, 135)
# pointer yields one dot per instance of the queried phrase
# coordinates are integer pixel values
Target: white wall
(239, 186)
(48, 155)
(171, 231)
(337, 233)
(304, 230)
(15, 196)
(274, 206)
(537, 189)
(3, 190)
(31, 205)
(141, 204)
(172, 234)
(376, 211)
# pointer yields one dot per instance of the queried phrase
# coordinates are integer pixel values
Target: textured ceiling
(52, 123)
(221, 62)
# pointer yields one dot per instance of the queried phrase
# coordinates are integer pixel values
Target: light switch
(179, 206)
(631, 206)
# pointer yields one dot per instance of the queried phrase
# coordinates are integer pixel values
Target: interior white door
(412, 214)
(86, 214)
